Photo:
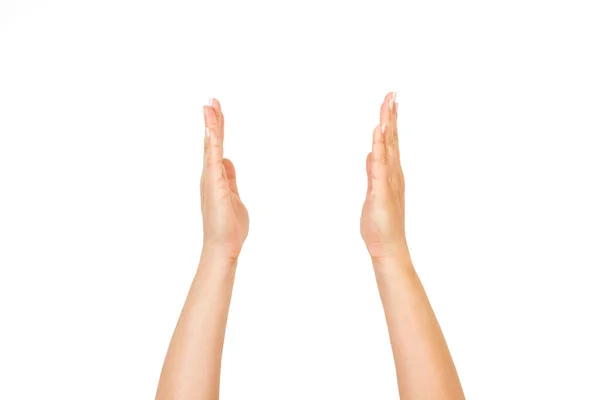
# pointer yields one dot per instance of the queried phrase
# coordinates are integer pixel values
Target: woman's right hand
(382, 220)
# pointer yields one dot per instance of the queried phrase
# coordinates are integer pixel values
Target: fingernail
(207, 132)
(210, 101)
(392, 100)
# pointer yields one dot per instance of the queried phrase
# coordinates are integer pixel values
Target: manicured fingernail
(392, 100)
(207, 132)
(210, 101)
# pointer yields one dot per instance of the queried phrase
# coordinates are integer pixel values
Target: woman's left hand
(224, 216)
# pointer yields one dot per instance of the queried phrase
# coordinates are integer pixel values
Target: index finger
(213, 142)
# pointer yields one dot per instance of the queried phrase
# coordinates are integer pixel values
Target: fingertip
(216, 105)
(375, 140)
(390, 99)
(229, 168)
(210, 117)
(216, 108)
(375, 135)
(387, 107)
(231, 175)
(383, 112)
(379, 134)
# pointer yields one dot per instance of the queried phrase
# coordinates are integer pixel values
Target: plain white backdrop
(100, 154)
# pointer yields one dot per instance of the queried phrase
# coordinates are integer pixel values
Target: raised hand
(382, 220)
(192, 366)
(424, 366)
(225, 218)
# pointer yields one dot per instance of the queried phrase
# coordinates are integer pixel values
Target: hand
(382, 220)
(224, 216)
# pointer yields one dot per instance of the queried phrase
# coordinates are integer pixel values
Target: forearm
(193, 362)
(424, 367)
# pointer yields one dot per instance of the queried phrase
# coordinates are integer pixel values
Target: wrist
(214, 258)
(389, 251)
(398, 260)
(224, 252)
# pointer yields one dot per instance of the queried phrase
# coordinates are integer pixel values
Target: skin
(193, 363)
(424, 367)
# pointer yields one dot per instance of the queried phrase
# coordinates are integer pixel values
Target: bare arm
(193, 363)
(424, 366)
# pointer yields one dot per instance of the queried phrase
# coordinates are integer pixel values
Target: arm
(424, 367)
(193, 363)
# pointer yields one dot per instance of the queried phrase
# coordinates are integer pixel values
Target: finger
(369, 173)
(216, 105)
(213, 145)
(231, 176)
(204, 168)
(393, 116)
(379, 161)
(388, 116)
(386, 106)
(393, 122)
(209, 121)
(204, 159)
(222, 127)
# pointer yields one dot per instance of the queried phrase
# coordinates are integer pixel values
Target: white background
(100, 155)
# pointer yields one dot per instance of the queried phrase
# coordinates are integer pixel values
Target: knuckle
(216, 144)
(383, 158)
